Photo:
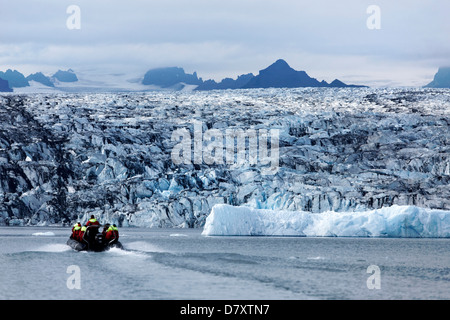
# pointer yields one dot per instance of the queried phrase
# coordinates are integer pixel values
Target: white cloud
(328, 39)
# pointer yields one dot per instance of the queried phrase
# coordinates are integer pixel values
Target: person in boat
(92, 226)
(76, 229)
(116, 232)
(81, 233)
(110, 234)
(92, 222)
(105, 229)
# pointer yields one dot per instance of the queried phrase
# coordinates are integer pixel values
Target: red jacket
(92, 222)
(116, 232)
(110, 235)
(76, 234)
(76, 229)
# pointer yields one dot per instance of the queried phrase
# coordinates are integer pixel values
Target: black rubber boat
(93, 240)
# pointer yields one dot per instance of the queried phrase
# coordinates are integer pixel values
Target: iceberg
(395, 221)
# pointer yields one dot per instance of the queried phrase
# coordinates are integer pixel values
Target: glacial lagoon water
(172, 264)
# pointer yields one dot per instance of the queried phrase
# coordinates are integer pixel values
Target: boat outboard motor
(96, 241)
(99, 239)
(91, 231)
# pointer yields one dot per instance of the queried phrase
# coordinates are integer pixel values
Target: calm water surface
(36, 263)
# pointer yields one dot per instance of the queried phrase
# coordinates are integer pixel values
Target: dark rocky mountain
(14, 78)
(281, 75)
(65, 76)
(4, 86)
(337, 83)
(167, 77)
(227, 83)
(441, 79)
(41, 78)
(277, 75)
(17, 80)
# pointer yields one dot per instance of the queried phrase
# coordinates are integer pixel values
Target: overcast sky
(327, 38)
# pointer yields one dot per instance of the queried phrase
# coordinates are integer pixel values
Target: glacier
(395, 221)
(65, 156)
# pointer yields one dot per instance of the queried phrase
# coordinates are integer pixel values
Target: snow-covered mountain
(65, 156)
(83, 82)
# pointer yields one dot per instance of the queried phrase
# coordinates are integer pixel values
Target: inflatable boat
(93, 240)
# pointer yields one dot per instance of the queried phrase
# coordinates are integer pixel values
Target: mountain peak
(279, 65)
(14, 78)
(281, 75)
(41, 78)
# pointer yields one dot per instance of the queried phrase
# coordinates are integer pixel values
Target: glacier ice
(394, 221)
(66, 156)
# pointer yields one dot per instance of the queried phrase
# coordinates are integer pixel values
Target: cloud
(328, 39)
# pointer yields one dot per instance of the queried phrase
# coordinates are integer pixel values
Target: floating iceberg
(395, 221)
